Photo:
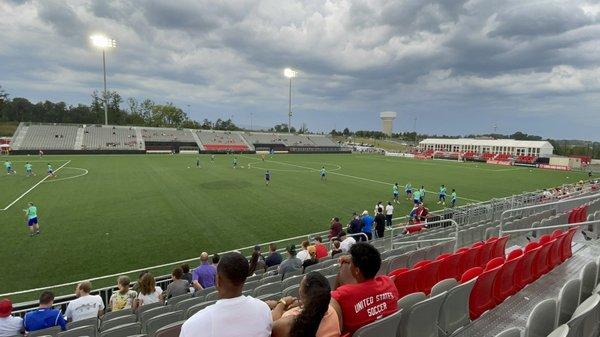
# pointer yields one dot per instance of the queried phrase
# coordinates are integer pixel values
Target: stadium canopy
(510, 146)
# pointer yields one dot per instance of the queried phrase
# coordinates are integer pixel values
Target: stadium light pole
(103, 42)
(290, 73)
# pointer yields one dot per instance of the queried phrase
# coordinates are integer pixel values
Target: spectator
(86, 305)
(186, 273)
(205, 275)
(355, 225)
(336, 248)
(179, 286)
(362, 297)
(44, 317)
(314, 317)
(347, 242)
(234, 314)
(274, 257)
(312, 252)
(379, 223)
(253, 263)
(291, 264)
(422, 213)
(335, 228)
(378, 206)
(261, 259)
(389, 214)
(136, 286)
(149, 291)
(124, 297)
(215, 260)
(303, 254)
(367, 221)
(321, 248)
(9, 325)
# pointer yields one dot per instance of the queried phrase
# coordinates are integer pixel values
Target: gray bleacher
(321, 140)
(98, 137)
(262, 138)
(166, 135)
(220, 137)
(49, 137)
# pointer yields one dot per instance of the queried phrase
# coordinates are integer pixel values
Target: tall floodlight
(104, 43)
(290, 73)
(387, 122)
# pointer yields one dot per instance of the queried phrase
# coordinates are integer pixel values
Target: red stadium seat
(398, 271)
(486, 252)
(450, 267)
(554, 254)
(443, 256)
(573, 215)
(428, 276)
(504, 284)
(471, 274)
(583, 213)
(469, 258)
(494, 263)
(421, 263)
(414, 228)
(540, 265)
(481, 298)
(500, 247)
(406, 282)
(566, 251)
(524, 272)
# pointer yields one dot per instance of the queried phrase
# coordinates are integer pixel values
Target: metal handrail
(451, 221)
(583, 223)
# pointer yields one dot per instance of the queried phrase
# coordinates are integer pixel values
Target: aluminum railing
(448, 221)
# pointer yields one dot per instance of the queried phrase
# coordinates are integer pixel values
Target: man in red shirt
(362, 297)
(335, 228)
(321, 248)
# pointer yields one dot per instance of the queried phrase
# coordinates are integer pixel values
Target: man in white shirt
(86, 305)
(233, 314)
(346, 242)
(389, 214)
(9, 325)
(303, 255)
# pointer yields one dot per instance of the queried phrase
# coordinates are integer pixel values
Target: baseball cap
(5, 307)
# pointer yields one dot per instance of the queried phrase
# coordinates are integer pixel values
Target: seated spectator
(362, 297)
(355, 225)
(179, 286)
(260, 264)
(314, 317)
(136, 286)
(44, 317)
(233, 314)
(205, 275)
(149, 292)
(185, 268)
(346, 242)
(274, 258)
(291, 264)
(336, 248)
(9, 325)
(303, 254)
(321, 248)
(215, 260)
(124, 297)
(312, 251)
(86, 305)
(335, 228)
(253, 263)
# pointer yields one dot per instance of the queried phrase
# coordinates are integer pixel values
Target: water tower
(387, 122)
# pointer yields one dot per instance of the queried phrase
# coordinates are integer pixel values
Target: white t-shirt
(10, 326)
(377, 207)
(84, 307)
(389, 210)
(347, 243)
(303, 255)
(150, 298)
(240, 316)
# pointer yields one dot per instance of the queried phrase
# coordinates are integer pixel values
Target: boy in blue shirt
(44, 317)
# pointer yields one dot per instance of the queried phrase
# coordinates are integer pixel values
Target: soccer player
(198, 163)
(323, 173)
(212, 158)
(422, 193)
(442, 195)
(267, 177)
(32, 219)
(262, 157)
(417, 197)
(234, 162)
(453, 200)
(51, 170)
(408, 191)
(29, 169)
(396, 192)
(8, 167)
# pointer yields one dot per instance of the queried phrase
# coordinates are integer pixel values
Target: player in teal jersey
(51, 171)
(32, 219)
(408, 191)
(422, 193)
(234, 162)
(417, 197)
(323, 174)
(453, 200)
(8, 167)
(442, 195)
(29, 169)
(396, 193)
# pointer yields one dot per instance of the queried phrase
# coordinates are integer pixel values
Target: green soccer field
(109, 213)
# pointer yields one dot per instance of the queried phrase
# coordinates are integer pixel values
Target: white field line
(73, 177)
(33, 187)
(456, 165)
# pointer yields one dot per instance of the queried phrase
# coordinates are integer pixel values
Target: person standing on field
(32, 219)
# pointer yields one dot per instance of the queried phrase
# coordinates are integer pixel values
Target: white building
(495, 146)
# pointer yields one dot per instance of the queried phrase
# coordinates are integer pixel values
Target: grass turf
(133, 211)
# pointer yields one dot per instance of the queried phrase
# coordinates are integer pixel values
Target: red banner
(499, 162)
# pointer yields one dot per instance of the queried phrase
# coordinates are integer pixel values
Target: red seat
(572, 214)
(422, 263)
(414, 228)
(405, 282)
(450, 267)
(554, 254)
(471, 274)
(524, 272)
(398, 271)
(504, 284)
(566, 251)
(469, 258)
(481, 298)
(443, 256)
(494, 263)
(583, 213)
(486, 252)
(500, 247)
(540, 265)
(428, 276)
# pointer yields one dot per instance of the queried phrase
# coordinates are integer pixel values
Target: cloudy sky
(457, 66)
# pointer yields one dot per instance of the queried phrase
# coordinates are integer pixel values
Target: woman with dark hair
(253, 263)
(314, 316)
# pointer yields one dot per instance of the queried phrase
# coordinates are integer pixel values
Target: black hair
(46, 297)
(216, 258)
(233, 267)
(317, 294)
(185, 268)
(253, 262)
(366, 258)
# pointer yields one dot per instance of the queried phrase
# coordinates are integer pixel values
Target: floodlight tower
(103, 42)
(387, 121)
(290, 73)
